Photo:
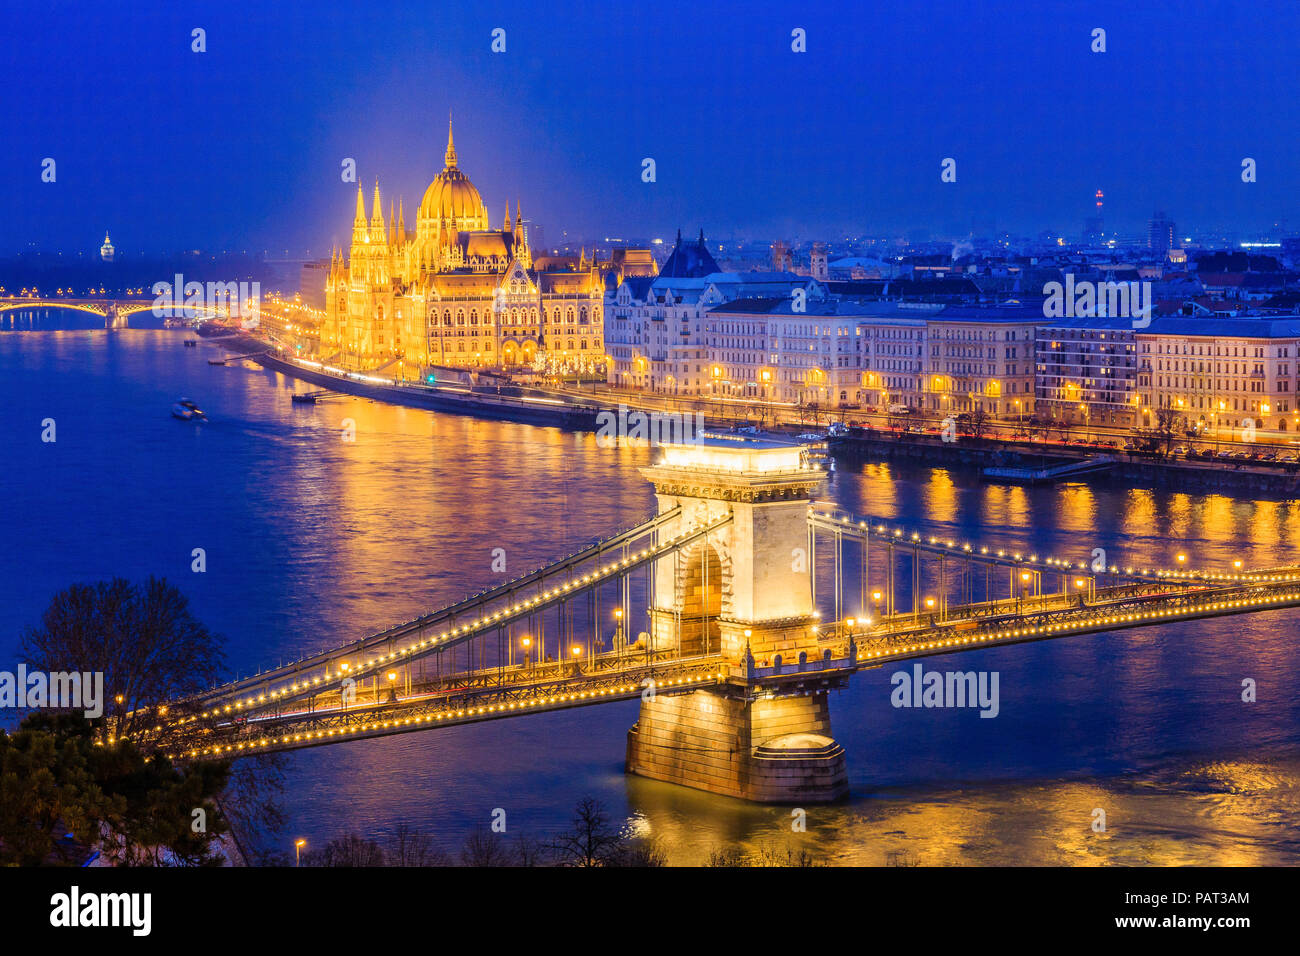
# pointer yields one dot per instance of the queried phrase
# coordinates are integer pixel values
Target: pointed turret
(392, 225)
(450, 158)
(506, 227)
(377, 230)
(359, 223)
(522, 252)
(401, 223)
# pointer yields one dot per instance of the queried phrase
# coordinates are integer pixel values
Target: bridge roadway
(502, 692)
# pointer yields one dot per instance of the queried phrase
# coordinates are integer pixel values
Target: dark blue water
(311, 541)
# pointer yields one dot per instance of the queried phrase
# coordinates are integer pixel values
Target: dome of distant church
(453, 196)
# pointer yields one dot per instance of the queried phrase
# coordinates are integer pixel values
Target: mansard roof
(689, 260)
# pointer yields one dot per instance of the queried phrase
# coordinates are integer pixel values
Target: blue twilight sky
(240, 147)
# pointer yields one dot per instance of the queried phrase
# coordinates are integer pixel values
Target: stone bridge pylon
(744, 591)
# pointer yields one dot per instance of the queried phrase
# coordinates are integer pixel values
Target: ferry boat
(186, 410)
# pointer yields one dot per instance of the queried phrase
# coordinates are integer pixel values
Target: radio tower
(1093, 225)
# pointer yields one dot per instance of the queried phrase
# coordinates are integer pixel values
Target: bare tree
(771, 856)
(410, 846)
(483, 848)
(251, 805)
(350, 850)
(768, 855)
(728, 856)
(592, 841)
(528, 852)
(142, 637)
(1168, 423)
(638, 852)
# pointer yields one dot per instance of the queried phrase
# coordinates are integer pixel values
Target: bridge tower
(745, 592)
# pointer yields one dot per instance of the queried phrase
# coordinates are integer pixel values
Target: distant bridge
(114, 311)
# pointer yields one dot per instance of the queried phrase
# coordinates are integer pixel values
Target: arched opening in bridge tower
(701, 602)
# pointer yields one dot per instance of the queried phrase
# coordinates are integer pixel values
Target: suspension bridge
(731, 614)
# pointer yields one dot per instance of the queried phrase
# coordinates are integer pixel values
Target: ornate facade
(457, 292)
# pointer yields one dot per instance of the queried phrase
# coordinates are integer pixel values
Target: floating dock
(1046, 475)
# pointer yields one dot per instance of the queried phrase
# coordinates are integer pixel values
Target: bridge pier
(776, 750)
(745, 595)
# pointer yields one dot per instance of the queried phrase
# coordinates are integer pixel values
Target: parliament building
(457, 292)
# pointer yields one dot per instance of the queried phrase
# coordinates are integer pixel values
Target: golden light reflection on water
(1220, 814)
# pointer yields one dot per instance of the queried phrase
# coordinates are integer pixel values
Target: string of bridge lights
(593, 696)
(1101, 619)
(457, 633)
(463, 632)
(538, 703)
(1051, 563)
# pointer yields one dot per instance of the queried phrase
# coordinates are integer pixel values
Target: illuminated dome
(452, 196)
(106, 250)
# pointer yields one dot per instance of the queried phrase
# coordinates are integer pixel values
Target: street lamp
(297, 851)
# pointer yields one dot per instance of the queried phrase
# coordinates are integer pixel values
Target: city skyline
(845, 139)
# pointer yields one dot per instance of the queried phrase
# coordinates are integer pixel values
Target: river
(312, 541)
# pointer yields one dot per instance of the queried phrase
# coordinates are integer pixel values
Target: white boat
(187, 411)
